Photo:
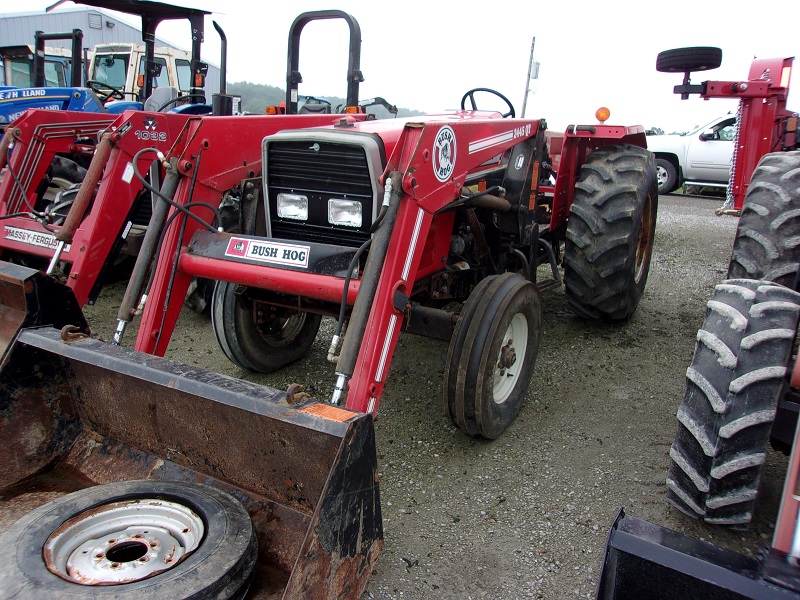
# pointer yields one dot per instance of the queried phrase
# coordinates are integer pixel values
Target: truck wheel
(666, 176)
(133, 539)
(732, 389)
(261, 338)
(610, 233)
(680, 60)
(492, 353)
(767, 243)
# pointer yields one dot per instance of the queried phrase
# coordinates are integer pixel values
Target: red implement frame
(762, 112)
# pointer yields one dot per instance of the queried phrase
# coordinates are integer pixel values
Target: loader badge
(444, 153)
(150, 123)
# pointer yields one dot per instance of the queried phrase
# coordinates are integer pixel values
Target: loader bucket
(644, 560)
(81, 412)
(29, 298)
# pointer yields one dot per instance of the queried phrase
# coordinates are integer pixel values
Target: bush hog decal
(269, 252)
(444, 153)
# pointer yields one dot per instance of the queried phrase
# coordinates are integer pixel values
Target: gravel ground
(527, 515)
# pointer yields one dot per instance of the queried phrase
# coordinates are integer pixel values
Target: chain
(734, 159)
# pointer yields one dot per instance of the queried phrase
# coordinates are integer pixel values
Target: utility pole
(533, 73)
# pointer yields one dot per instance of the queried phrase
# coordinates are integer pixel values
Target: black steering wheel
(471, 95)
(105, 91)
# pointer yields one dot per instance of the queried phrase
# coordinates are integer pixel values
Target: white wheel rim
(507, 369)
(123, 542)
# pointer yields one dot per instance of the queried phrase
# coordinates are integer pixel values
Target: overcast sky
(424, 55)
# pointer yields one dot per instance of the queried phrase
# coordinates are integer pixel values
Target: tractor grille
(319, 170)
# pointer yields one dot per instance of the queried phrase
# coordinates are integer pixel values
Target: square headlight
(344, 212)
(293, 206)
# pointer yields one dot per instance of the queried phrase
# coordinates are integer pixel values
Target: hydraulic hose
(147, 251)
(354, 337)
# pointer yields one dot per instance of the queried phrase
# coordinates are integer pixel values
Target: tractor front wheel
(767, 244)
(257, 336)
(732, 389)
(492, 353)
(610, 233)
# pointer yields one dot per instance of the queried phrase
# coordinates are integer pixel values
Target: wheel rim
(661, 176)
(645, 241)
(123, 542)
(275, 326)
(508, 366)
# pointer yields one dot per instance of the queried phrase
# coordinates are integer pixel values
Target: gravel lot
(527, 516)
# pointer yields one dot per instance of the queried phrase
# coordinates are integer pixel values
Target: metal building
(98, 27)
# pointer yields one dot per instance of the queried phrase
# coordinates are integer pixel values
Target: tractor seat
(319, 108)
(160, 97)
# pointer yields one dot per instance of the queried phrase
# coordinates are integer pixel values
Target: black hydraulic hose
(146, 252)
(343, 305)
(166, 198)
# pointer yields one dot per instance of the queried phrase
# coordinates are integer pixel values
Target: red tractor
(386, 225)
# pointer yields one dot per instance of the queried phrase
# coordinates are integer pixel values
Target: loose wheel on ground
(492, 353)
(732, 389)
(132, 540)
(767, 243)
(610, 233)
(257, 336)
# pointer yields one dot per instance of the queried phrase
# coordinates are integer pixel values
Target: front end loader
(126, 474)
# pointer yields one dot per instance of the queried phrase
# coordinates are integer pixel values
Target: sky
(424, 55)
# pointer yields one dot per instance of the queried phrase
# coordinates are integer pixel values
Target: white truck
(701, 157)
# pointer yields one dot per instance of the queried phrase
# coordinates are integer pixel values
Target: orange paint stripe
(327, 411)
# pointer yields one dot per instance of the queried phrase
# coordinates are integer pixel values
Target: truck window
(163, 77)
(111, 69)
(184, 69)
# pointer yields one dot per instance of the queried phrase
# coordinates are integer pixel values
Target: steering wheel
(471, 95)
(105, 91)
(179, 99)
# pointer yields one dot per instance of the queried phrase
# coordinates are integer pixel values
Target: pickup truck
(701, 157)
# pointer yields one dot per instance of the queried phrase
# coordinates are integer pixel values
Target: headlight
(293, 206)
(344, 212)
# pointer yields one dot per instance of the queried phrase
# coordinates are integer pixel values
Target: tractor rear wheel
(260, 337)
(767, 244)
(610, 233)
(732, 389)
(492, 353)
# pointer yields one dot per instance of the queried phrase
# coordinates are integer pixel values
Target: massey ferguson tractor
(742, 388)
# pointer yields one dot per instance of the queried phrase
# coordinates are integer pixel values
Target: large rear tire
(132, 540)
(732, 389)
(767, 244)
(260, 337)
(610, 233)
(492, 353)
